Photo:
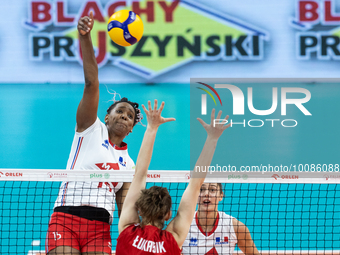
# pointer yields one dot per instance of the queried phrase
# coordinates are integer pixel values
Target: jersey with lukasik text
(147, 240)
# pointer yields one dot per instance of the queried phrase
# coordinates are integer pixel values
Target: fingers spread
(162, 106)
(155, 105)
(202, 122)
(212, 116)
(219, 114)
(145, 110)
(168, 119)
(226, 126)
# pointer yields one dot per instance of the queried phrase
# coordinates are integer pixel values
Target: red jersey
(147, 240)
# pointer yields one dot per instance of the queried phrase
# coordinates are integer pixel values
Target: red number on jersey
(108, 185)
(108, 166)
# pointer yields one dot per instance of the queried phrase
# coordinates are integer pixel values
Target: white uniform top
(221, 240)
(92, 150)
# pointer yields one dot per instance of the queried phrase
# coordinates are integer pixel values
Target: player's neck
(207, 220)
(116, 140)
(155, 225)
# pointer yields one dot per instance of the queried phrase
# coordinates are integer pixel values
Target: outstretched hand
(217, 126)
(85, 24)
(154, 117)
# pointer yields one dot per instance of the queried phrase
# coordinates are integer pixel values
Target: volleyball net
(290, 213)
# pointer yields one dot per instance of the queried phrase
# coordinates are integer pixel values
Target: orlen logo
(286, 98)
(56, 175)
(276, 176)
(331, 176)
(187, 176)
(15, 174)
(294, 177)
(153, 176)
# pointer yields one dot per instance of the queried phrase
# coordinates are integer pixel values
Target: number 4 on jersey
(108, 166)
(109, 185)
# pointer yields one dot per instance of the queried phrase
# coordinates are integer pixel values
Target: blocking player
(213, 231)
(153, 205)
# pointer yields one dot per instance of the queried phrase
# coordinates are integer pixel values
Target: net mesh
(290, 216)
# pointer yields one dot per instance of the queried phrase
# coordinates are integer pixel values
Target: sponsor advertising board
(256, 39)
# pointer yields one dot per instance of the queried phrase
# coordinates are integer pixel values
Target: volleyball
(125, 27)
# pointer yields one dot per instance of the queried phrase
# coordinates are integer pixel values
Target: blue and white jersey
(220, 240)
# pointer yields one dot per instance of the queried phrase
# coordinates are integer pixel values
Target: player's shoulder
(194, 220)
(223, 215)
(95, 126)
(226, 217)
(130, 229)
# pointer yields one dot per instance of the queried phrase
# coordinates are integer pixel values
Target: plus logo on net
(239, 105)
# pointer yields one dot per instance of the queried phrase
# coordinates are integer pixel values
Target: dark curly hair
(138, 116)
(153, 205)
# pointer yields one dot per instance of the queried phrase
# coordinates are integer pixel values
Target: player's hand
(154, 117)
(217, 126)
(85, 24)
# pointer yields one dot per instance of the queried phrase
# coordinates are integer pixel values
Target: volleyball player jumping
(80, 223)
(153, 205)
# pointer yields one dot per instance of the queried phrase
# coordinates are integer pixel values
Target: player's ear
(106, 118)
(168, 216)
(220, 197)
(139, 212)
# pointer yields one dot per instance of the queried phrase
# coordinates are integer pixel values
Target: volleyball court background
(288, 217)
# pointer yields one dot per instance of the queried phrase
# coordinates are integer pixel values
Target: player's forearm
(89, 60)
(121, 195)
(202, 165)
(250, 249)
(145, 151)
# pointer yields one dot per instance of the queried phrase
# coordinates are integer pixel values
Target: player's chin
(121, 129)
(205, 207)
(211, 207)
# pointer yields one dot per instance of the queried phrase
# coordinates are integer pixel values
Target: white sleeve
(97, 123)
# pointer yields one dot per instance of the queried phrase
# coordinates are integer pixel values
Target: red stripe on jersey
(64, 194)
(123, 146)
(77, 153)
